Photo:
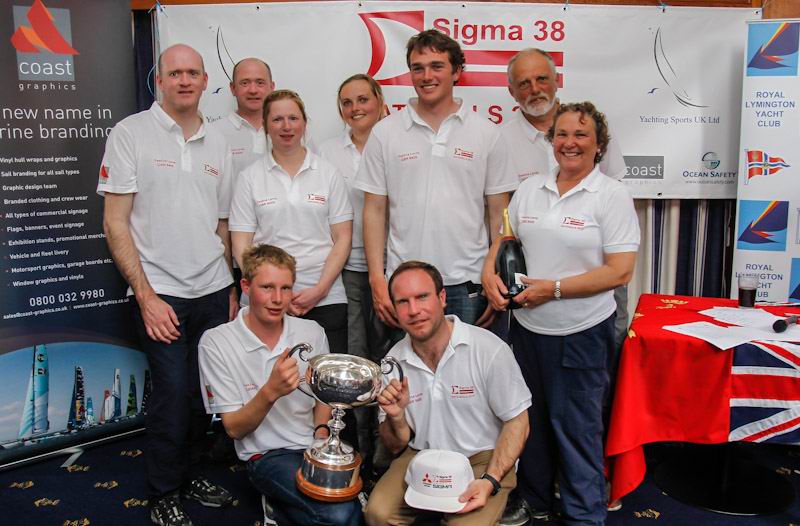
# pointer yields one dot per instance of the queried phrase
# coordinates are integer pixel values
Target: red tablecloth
(670, 387)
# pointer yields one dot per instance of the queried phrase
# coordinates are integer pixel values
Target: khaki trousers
(387, 505)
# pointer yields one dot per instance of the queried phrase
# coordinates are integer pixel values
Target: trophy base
(329, 483)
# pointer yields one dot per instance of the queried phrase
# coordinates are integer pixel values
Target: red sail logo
(476, 58)
(41, 35)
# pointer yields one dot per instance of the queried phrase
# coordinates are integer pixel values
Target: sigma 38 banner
(768, 216)
(668, 79)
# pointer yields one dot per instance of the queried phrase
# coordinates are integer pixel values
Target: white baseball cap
(435, 480)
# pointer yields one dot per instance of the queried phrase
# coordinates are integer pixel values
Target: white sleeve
(217, 385)
(226, 184)
(243, 215)
(508, 393)
(118, 167)
(619, 224)
(371, 176)
(613, 163)
(339, 207)
(501, 176)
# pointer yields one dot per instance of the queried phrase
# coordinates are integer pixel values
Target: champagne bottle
(510, 262)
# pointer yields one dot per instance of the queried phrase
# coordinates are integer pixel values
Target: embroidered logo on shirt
(410, 156)
(460, 153)
(316, 198)
(104, 173)
(209, 394)
(413, 398)
(164, 163)
(266, 202)
(573, 222)
(238, 151)
(462, 391)
(528, 219)
(210, 170)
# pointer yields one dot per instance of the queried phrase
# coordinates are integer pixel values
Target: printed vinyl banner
(67, 361)
(668, 79)
(768, 217)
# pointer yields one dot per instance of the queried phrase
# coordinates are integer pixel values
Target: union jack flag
(761, 163)
(765, 398)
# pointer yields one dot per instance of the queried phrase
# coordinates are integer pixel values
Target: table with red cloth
(673, 387)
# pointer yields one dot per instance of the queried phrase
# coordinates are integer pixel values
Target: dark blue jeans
(465, 301)
(176, 420)
(274, 475)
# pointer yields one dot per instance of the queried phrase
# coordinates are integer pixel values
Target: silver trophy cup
(330, 469)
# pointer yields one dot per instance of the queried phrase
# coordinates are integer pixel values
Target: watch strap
(557, 292)
(495, 484)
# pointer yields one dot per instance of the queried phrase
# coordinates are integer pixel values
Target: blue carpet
(106, 486)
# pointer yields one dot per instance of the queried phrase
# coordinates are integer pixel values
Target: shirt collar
(347, 141)
(459, 336)
(590, 183)
(250, 342)
(169, 124)
(310, 161)
(238, 121)
(411, 117)
(531, 132)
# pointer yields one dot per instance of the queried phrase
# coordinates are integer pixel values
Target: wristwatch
(495, 484)
(557, 292)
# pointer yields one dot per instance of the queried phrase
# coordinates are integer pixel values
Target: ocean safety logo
(760, 162)
(762, 225)
(43, 40)
(772, 49)
(484, 67)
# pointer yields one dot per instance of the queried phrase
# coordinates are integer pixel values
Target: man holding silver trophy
(251, 381)
(462, 392)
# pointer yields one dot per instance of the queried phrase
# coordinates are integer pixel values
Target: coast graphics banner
(67, 361)
(668, 79)
(768, 215)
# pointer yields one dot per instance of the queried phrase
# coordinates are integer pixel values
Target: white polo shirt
(246, 143)
(531, 152)
(343, 154)
(235, 363)
(294, 213)
(568, 235)
(462, 406)
(182, 187)
(436, 183)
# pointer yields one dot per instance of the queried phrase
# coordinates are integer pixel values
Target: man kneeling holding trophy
(250, 380)
(462, 392)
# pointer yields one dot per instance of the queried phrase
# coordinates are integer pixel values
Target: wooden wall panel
(793, 5)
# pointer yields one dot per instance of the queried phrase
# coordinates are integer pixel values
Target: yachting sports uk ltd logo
(772, 49)
(485, 67)
(760, 162)
(762, 225)
(43, 40)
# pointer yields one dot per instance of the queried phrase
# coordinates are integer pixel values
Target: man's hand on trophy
(285, 375)
(394, 398)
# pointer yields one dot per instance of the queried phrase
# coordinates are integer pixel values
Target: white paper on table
(721, 337)
(743, 317)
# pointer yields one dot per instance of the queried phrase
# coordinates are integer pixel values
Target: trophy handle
(389, 364)
(302, 350)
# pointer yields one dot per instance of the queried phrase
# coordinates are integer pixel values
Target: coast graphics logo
(669, 75)
(762, 225)
(43, 40)
(772, 49)
(794, 281)
(486, 68)
(710, 161)
(761, 163)
(644, 167)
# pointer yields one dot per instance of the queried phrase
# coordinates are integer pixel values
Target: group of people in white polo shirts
(378, 240)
